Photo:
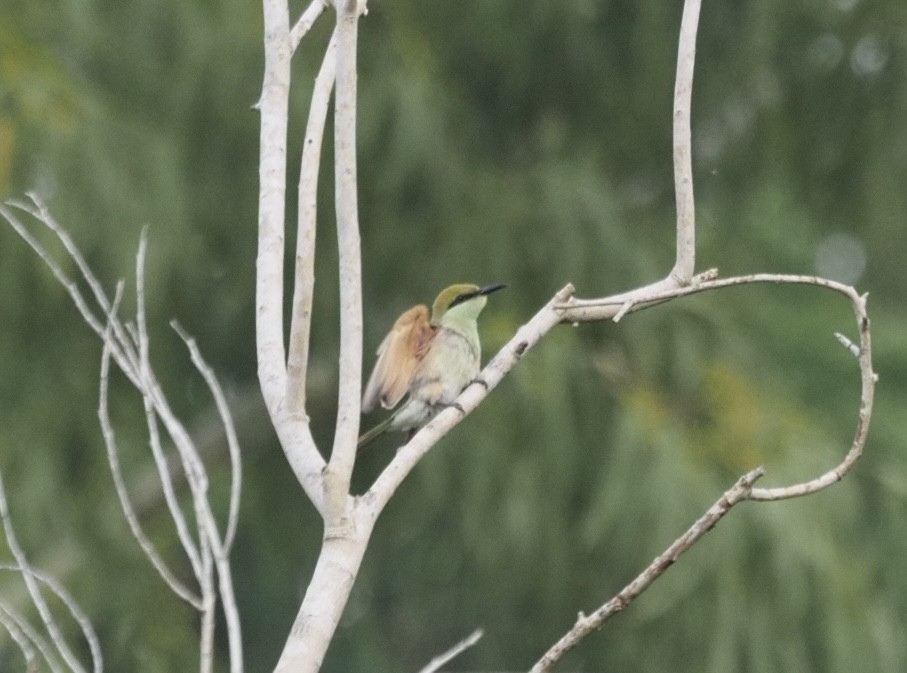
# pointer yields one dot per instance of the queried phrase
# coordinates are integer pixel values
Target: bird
(433, 359)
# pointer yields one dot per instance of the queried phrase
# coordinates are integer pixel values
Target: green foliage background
(524, 142)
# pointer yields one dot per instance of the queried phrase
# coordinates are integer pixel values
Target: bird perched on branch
(431, 359)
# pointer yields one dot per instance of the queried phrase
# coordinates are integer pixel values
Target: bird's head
(463, 301)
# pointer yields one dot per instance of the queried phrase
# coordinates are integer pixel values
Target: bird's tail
(379, 429)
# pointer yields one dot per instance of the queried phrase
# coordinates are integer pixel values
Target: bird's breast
(450, 364)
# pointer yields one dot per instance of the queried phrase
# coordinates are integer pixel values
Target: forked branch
(128, 346)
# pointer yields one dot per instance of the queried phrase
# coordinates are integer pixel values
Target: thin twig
(304, 285)
(122, 351)
(848, 344)
(11, 618)
(453, 652)
(208, 610)
(226, 418)
(78, 615)
(146, 379)
(34, 591)
(867, 393)
(588, 624)
(26, 647)
(113, 460)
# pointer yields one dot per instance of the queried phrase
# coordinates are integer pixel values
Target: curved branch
(585, 625)
(34, 591)
(85, 625)
(304, 287)
(564, 308)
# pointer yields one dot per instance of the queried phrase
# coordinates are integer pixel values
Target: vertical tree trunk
(325, 599)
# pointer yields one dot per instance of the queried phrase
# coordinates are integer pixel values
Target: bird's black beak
(488, 289)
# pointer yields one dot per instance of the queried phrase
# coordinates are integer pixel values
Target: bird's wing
(399, 353)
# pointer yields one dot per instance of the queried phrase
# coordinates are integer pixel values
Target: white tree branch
(586, 625)
(292, 427)
(685, 265)
(9, 621)
(223, 409)
(343, 453)
(274, 106)
(306, 21)
(128, 346)
(145, 377)
(34, 591)
(122, 351)
(176, 586)
(455, 651)
(77, 613)
(304, 288)
(29, 641)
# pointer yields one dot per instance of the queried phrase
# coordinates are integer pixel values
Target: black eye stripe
(460, 298)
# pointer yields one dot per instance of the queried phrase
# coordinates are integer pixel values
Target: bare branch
(564, 308)
(587, 624)
(343, 452)
(274, 106)
(304, 288)
(868, 379)
(29, 641)
(685, 265)
(34, 591)
(306, 21)
(292, 429)
(122, 349)
(146, 382)
(453, 652)
(226, 418)
(113, 460)
(78, 615)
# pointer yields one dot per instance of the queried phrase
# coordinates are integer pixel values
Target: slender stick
(113, 460)
(304, 288)
(121, 350)
(685, 265)
(586, 625)
(226, 418)
(88, 632)
(34, 591)
(31, 639)
(453, 652)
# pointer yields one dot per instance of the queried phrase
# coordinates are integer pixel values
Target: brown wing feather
(399, 353)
